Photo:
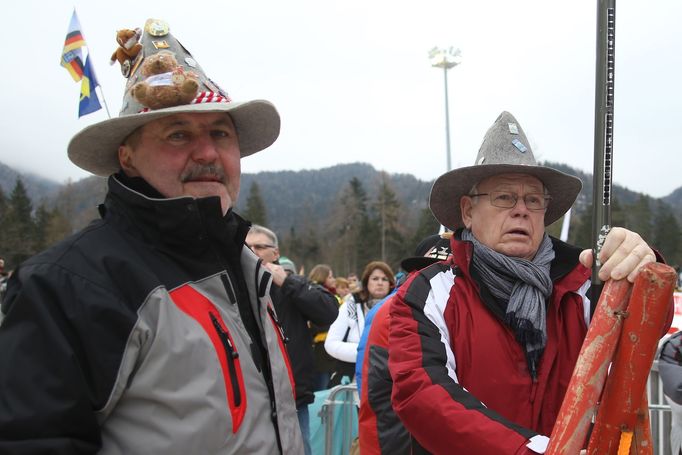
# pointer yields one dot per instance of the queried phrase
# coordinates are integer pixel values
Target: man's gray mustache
(203, 171)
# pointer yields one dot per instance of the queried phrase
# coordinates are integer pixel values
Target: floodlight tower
(446, 59)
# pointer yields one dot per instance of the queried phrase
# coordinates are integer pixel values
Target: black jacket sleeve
(313, 301)
(48, 391)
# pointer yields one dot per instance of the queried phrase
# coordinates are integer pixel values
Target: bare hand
(623, 254)
(278, 273)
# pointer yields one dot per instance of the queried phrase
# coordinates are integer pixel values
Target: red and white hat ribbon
(202, 97)
(210, 97)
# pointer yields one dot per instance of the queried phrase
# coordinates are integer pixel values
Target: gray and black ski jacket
(151, 331)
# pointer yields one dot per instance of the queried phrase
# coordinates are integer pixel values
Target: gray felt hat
(505, 150)
(95, 148)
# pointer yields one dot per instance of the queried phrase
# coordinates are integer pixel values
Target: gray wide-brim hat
(505, 150)
(95, 148)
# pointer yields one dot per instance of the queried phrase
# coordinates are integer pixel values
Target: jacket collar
(566, 259)
(183, 223)
(566, 256)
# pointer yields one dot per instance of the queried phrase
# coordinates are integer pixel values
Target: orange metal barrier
(622, 425)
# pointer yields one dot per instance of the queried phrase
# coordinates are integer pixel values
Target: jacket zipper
(231, 354)
(278, 325)
(282, 346)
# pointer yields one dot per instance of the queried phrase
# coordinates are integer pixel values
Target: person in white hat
(152, 330)
(482, 347)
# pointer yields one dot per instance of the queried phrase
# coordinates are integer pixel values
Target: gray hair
(258, 229)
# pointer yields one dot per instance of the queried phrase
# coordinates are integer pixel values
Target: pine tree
(310, 249)
(348, 226)
(3, 204)
(57, 227)
(640, 218)
(427, 225)
(42, 220)
(392, 247)
(19, 229)
(255, 207)
(290, 246)
(3, 221)
(581, 233)
(667, 234)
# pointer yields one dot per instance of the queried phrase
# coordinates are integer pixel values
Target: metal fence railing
(339, 416)
(659, 413)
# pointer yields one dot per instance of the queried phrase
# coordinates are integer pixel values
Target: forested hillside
(343, 215)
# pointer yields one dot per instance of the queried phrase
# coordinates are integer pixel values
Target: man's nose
(204, 150)
(520, 208)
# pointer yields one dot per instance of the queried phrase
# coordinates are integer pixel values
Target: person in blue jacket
(432, 249)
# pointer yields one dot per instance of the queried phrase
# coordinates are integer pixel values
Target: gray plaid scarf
(524, 285)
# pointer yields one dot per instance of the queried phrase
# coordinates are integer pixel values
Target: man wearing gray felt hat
(498, 327)
(152, 330)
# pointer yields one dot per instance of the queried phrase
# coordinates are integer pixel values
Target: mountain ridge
(294, 196)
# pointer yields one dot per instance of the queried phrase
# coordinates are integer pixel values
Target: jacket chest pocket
(232, 372)
(199, 308)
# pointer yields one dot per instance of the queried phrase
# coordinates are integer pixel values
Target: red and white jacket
(461, 382)
(379, 428)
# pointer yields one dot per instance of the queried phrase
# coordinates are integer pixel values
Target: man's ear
(125, 159)
(276, 254)
(466, 204)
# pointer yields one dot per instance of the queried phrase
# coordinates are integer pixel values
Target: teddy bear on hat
(164, 83)
(128, 48)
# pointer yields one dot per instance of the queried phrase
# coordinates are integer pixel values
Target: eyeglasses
(508, 200)
(260, 246)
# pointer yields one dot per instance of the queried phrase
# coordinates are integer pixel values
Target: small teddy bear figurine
(165, 83)
(128, 48)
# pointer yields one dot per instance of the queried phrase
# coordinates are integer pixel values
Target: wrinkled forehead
(192, 118)
(504, 181)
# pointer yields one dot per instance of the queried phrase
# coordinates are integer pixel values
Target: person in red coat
(379, 428)
(482, 346)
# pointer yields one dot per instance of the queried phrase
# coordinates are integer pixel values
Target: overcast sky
(352, 79)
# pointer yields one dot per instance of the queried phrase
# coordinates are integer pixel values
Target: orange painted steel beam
(589, 375)
(646, 318)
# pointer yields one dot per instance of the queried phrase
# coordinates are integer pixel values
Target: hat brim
(95, 148)
(448, 189)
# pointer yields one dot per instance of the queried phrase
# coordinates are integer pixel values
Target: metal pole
(447, 119)
(603, 133)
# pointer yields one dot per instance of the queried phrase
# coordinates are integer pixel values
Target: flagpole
(106, 107)
(99, 84)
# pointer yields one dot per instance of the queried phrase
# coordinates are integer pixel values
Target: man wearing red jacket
(379, 428)
(482, 346)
